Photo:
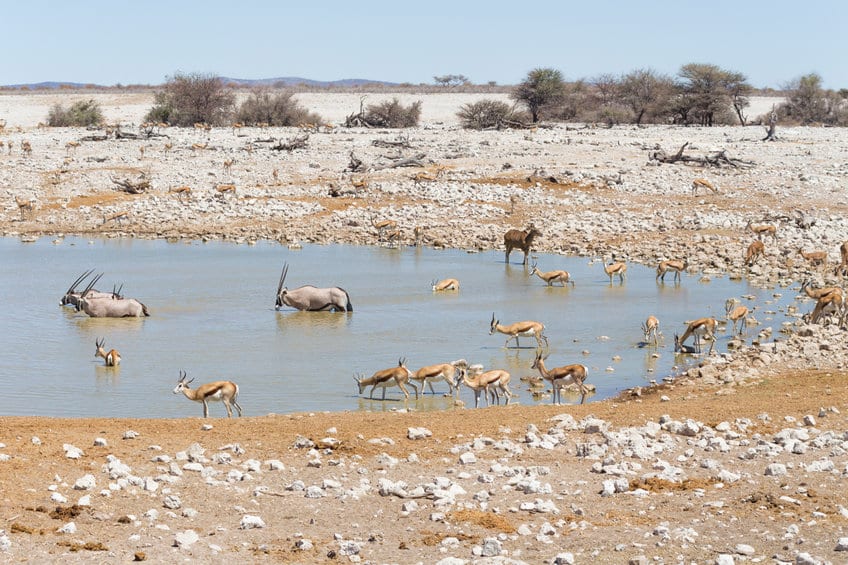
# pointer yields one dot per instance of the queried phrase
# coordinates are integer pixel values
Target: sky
(771, 42)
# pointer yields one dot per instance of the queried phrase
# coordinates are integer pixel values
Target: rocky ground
(743, 459)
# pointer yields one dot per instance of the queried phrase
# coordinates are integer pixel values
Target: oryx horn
(283, 277)
(81, 278)
(91, 284)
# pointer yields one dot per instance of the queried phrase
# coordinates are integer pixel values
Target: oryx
(311, 298)
(71, 296)
(111, 306)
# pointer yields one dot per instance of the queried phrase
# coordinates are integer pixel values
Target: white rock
(249, 522)
(69, 528)
(468, 458)
(744, 549)
(418, 433)
(72, 452)
(185, 539)
(86, 482)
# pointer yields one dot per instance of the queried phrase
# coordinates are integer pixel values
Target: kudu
(520, 239)
(112, 306)
(311, 298)
(218, 391)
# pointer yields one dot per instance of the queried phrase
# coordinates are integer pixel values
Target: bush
(279, 110)
(487, 114)
(189, 99)
(81, 114)
(393, 114)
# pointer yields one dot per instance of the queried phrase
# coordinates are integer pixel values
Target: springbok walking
(560, 377)
(218, 391)
(111, 358)
(527, 328)
(396, 376)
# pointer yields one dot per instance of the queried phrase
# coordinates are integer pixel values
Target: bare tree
(647, 93)
(187, 99)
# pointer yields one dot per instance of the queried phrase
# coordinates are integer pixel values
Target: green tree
(807, 102)
(541, 89)
(187, 99)
(647, 94)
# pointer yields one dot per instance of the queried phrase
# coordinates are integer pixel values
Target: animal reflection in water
(311, 298)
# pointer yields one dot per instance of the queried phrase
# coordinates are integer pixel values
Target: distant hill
(279, 81)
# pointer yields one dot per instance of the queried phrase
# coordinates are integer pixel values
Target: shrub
(279, 110)
(81, 114)
(189, 99)
(540, 89)
(393, 114)
(487, 114)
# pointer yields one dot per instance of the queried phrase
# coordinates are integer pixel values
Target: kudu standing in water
(312, 298)
(111, 306)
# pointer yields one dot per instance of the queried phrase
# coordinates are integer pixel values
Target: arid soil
(753, 470)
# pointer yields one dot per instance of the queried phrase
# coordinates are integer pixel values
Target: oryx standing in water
(111, 306)
(311, 298)
(71, 296)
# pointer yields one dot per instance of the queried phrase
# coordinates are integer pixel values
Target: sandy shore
(743, 460)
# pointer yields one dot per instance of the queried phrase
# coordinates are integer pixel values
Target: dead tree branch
(291, 144)
(401, 142)
(132, 187)
(715, 159)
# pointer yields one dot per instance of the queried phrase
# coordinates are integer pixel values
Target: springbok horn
(493, 317)
(183, 375)
(81, 278)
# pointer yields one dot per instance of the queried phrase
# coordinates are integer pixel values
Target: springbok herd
(494, 383)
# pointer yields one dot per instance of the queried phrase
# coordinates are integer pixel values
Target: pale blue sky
(143, 42)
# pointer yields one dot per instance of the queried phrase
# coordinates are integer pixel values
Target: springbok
(218, 391)
(702, 183)
(761, 230)
(551, 277)
(651, 329)
(842, 268)
(616, 268)
(384, 227)
(524, 329)
(738, 314)
(754, 251)
(111, 358)
(24, 206)
(396, 376)
(675, 265)
(814, 257)
(560, 377)
(445, 284)
(486, 383)
(443, 371)
(311, 298)
(112, 306)
(699, 327)
(520, 239)
(828, 299)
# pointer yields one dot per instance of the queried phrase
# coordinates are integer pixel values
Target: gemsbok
(111, 358)
(311, 298)
(700, 327)
(112, 306)
(651, 330)
(675, 265)
(396, 376)
(528, 328)
(488, 382)
(71, 297)
(551, 277)
(560, 377)
(616, 268)
(218, 391)
(442, 372)
(520, 239)
(445, 284)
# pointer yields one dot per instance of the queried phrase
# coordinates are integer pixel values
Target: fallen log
(132, 187)
(416, 161)
(291, 144)
(715, 159)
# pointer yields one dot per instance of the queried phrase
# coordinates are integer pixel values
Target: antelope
(651, 329)
(814, 257)
(443, 371)
(842, 268)
(141, 153)
(71, 297)
(199, 146)
(24, 206)
(551, 277)
(699, 327)
(396, 376)
(738, 314)
(754, 251)
(830, 303)
(760, 231)
(9, 145)
(383, 227)
(425, 176)
(26, 147)
(310, 298)
(520, 239)
(202, 126)
(112, 306)
(359, 184)
(497, 379)
(181, 192)
(524, 329)
(228, 164)
(702, 183)
(111, 358)
(560, 377)
(71, 146)
(616, 268)
(117, 217)
(445, 284)
(218, 391)
(276, 175)
(224, 189)
(418, 235)
(675, 265)
(168, 146)
(237, 127)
